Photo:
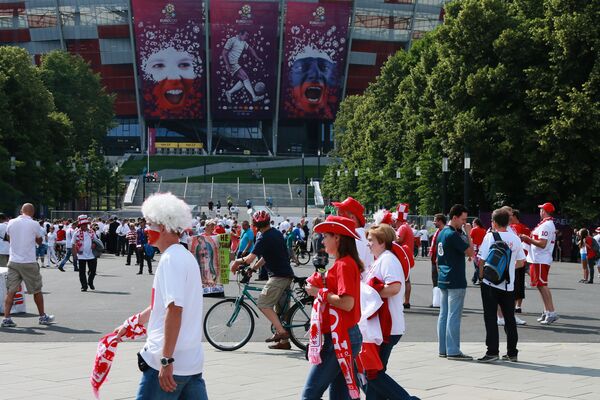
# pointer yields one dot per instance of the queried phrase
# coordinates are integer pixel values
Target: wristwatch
(164, 361)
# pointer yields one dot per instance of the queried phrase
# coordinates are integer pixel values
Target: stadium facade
(223, 76)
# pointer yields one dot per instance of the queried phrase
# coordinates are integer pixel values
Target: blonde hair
(383, 233)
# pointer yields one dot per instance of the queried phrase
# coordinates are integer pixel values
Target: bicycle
(302, 255)
(229, 324)
(61, 251)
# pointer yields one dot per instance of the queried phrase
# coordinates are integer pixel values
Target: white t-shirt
(4, 244)
(85, 251)
(388, 269)
(22, 231)
(363, 249)
(546, 230)
(236, 47)
(122, 230)
(69, 237)
(177, 281)
(43, 235)
(51, 239)
(517, 253)
(424, 235)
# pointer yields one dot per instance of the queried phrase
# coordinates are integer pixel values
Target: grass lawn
(271, 175)
(135, 167)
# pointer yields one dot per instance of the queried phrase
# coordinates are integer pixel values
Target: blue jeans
(188, 387)
(67, 255)
(451, 306)
(328, 373)
(383, 386)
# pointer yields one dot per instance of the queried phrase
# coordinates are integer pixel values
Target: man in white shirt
(68, 245)
(172, 359)
(4, 245)
(122, 232)
(500, 294)
(540, 257)
(232, 51)
(23, 234)
(424, 235)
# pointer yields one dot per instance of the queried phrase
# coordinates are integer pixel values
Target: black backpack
(497, 263)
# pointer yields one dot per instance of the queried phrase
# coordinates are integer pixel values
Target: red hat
(82, 219)
(336, 224)
(353, 207)
(403, 209)
(548, 207)
(383, 217)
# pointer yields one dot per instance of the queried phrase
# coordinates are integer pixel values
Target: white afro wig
(168, 210)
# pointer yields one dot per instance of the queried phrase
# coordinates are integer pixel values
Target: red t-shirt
(590, 250)
(61, 235)
(477, 235)
(405, 232)
(343, 278)
(521, 229)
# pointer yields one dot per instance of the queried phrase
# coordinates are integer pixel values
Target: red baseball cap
(336, 224)
(548, 207)
(353, 207)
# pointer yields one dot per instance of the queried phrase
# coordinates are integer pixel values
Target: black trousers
(121, 245)
(131, 250)
(142, 256)
(87, 279)
(424, 248)
(492, 298)
(434, 274)
(520, 282)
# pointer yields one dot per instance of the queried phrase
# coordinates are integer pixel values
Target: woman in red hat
(336, 312)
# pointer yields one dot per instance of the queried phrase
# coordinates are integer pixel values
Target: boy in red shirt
(477, 234)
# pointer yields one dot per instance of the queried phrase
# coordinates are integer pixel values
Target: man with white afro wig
(167, 210)
(172, 358)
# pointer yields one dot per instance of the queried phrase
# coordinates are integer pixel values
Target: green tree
(78, 92)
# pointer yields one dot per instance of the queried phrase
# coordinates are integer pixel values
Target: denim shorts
(188, 387)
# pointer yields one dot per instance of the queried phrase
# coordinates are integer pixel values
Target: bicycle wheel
(298, 323)
(226, 327)
(303, 257)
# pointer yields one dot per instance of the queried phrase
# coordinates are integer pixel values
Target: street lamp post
(444, 184)
(319, 165)
(87, 184)
(116, 170)
(303, 176)
(467, 168)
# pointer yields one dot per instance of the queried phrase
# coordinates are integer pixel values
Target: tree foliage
(513, 83)
(42, 138)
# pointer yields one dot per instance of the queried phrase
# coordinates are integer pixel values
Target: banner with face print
(169, 37)
(315, 51)
(244, 58)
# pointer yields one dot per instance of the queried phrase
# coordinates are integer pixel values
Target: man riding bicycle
(270, 246)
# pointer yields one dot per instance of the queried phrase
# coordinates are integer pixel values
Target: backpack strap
(497, 236)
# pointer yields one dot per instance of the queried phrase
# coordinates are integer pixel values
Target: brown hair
(347, 247)
(583, 234)
(383, 234)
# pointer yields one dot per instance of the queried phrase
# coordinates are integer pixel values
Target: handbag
(99, 249)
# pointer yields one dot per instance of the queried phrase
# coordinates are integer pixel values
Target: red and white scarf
(79, 235)
(107, 348)
(339, 337)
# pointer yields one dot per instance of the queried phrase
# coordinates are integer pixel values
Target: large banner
(169, 39)
(315, 53)
(206, 251)
(244, 58)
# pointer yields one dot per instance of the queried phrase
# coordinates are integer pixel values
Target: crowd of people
(359, 300)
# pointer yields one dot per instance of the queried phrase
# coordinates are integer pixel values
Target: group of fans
(358, 311)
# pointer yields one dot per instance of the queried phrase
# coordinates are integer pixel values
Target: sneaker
(519, 321)
(406, 306)
(542, 317)
(442, 356)
(506, 357)
(550, 318)
(487, 359)
(8, 323)
(61, 269)
(500, 321)
(460, 357)
(46, 319)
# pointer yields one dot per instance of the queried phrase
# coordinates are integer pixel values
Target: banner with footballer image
(244, 58)
(314, 58)
(169, 36)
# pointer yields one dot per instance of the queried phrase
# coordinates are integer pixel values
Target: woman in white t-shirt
(51, 247)
(387, 277)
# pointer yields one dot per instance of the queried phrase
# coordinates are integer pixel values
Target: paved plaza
(54, 362)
